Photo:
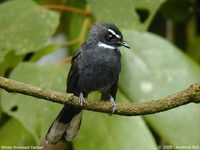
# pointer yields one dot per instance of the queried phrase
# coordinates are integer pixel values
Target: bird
(95, 66)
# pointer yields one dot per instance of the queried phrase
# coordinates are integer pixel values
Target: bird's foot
(113, 104)
(81, 99)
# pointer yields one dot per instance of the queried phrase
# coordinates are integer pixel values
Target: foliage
(153, 68)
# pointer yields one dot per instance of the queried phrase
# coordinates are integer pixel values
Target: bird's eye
(109, 37)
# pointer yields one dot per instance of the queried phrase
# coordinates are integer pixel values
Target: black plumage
(95, 67)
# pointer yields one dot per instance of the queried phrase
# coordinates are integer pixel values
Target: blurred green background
(38, 38)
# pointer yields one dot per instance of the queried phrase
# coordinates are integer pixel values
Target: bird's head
(106, 35)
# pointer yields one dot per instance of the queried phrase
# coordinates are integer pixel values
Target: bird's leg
(81, 98)
(113, 104)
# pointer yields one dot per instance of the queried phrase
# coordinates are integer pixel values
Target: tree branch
(191, 94)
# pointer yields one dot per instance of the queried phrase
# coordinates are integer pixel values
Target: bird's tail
(65, 126)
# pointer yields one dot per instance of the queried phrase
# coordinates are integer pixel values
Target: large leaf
(25, 26)
(12, 133)
(155, 68)
(35, 115)
(126, 14)
(101, 131)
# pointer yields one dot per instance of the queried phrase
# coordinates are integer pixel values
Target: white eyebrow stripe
(113, 32)
(100, 44)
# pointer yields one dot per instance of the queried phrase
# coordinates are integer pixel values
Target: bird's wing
(73, 74)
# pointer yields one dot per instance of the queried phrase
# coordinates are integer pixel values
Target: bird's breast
(98, 70)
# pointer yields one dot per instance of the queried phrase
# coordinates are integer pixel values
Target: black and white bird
(95, 67)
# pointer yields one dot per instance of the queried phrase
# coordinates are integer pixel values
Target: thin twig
(191, 94)
(67, 8)
(70, 43)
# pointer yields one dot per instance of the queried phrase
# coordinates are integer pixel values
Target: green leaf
(155, 68)
(35, 115)
(74, 22)
(126, 14)
(43, 51)
(113, 132)
(2, 54)
(14, 134)
(10, 61)
(27, 27)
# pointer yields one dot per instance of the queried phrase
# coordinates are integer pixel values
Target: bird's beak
(124, 44)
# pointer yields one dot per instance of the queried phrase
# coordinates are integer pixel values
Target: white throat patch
(100, 44)
(115, 34)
